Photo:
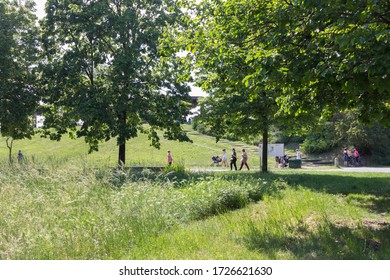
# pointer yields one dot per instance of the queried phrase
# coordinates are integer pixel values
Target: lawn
(139, 152)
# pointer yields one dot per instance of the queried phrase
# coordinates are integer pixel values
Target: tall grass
(80, 212)
(311, 225)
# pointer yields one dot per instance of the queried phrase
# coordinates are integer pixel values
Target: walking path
(365, 169)
(341, 169)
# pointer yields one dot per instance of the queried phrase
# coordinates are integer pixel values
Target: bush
(316, 144)
(218, 195)
(229, 199)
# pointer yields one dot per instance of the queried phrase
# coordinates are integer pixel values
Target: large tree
(104, 66)
(296, 60)
(18, 58)
(240, 99)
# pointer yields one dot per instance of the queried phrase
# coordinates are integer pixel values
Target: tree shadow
(372, 192)
(328, 242)
(342, 184)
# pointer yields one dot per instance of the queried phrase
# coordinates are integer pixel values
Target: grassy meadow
(62, 203)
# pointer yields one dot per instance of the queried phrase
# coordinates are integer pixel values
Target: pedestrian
(299, 155)
(170, 158)
(224, 158)
(356, 156)
(346, 157)
(233, 160)
(20, 156)
(244, 159)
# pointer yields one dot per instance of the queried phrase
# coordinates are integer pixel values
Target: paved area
(365, 169)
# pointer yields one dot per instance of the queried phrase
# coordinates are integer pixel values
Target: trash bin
(295, 163)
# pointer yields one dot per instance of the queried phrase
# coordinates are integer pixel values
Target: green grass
(138, 151)
(294, 223)
(64, 204)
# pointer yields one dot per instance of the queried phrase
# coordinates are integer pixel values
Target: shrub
(316, 144)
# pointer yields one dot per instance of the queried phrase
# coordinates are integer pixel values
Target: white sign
(274, 150)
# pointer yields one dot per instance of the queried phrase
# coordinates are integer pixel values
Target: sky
(40, 6)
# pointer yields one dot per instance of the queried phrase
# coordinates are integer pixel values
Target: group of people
(351, 157)
(223, 159)
(283, 161)
(233, 159)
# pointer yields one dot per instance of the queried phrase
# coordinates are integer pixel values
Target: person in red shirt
(356, 156)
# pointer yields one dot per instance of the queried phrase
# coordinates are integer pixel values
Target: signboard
(274, 150)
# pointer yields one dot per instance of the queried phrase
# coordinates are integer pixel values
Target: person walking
(356, 156)
(224, 158)
(244, 159)
(298, 154)
(346, 157)
(170, 159)
(233, 160)
(20, 157)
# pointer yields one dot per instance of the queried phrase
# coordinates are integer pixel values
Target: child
(169, 158)
(346, 157)
(224, 158)
(20, 156)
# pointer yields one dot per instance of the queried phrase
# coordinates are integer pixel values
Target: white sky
(40, 6)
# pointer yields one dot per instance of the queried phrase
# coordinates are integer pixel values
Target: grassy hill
(64, 204)
(138, 151)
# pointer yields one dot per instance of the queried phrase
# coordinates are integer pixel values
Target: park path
(342, 169)
(365, 169)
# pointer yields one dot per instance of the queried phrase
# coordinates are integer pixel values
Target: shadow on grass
(341, 184)
(375, 189)
(329, 242)
(367, 192)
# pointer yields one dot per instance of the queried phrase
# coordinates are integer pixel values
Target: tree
(18, 57)
(307, 58)
(104, 66)
(241, 99)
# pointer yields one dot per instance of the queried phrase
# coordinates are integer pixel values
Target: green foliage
(104, 65)
(281, 61)
(335, 63)
(316, 144)
(346, 130)
(203, 128)
(321, 140)
(19, 95)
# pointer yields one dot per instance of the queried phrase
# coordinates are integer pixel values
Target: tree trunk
(264, 158)
(122, 140)
(9, 146)
(122, 154)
